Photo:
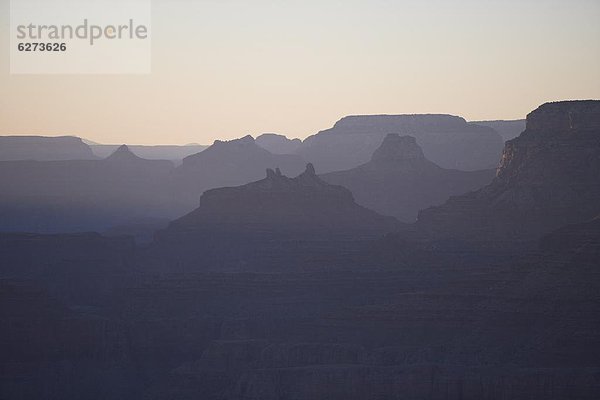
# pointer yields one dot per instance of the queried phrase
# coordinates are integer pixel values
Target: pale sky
(227, 68)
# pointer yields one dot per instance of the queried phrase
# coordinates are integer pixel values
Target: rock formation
(175, 154)
(508, 129)
(448, 141)
(281, 204)
(399, 180)
(275, 222)
(41, 148)
(231, 163)
(82, 195)
(548, 177)
(263, 312)
(278, 144)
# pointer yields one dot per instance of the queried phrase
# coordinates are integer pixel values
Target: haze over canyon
(387, 257)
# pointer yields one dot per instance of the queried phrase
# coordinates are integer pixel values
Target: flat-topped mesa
(564, 116)
(447, 140)
(563, 130)
(399, 149)
(41, 148)
(548, 177)
(405, 121)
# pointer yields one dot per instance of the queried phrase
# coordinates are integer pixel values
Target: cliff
(548, 177)
(446, 140)
(41, 148)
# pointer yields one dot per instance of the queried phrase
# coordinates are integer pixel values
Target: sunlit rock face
(399, 180)
(548, 177)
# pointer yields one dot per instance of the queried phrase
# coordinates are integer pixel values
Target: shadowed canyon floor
(449, 329)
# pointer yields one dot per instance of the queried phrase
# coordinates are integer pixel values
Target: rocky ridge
(281, 204)
(399, 180)
(41, 148)
(449, 141)
(278, 144)
(227, 163)
(548, 177)
(276, 223)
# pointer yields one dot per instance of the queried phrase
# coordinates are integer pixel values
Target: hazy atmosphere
(223, 69)
(300, 200)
